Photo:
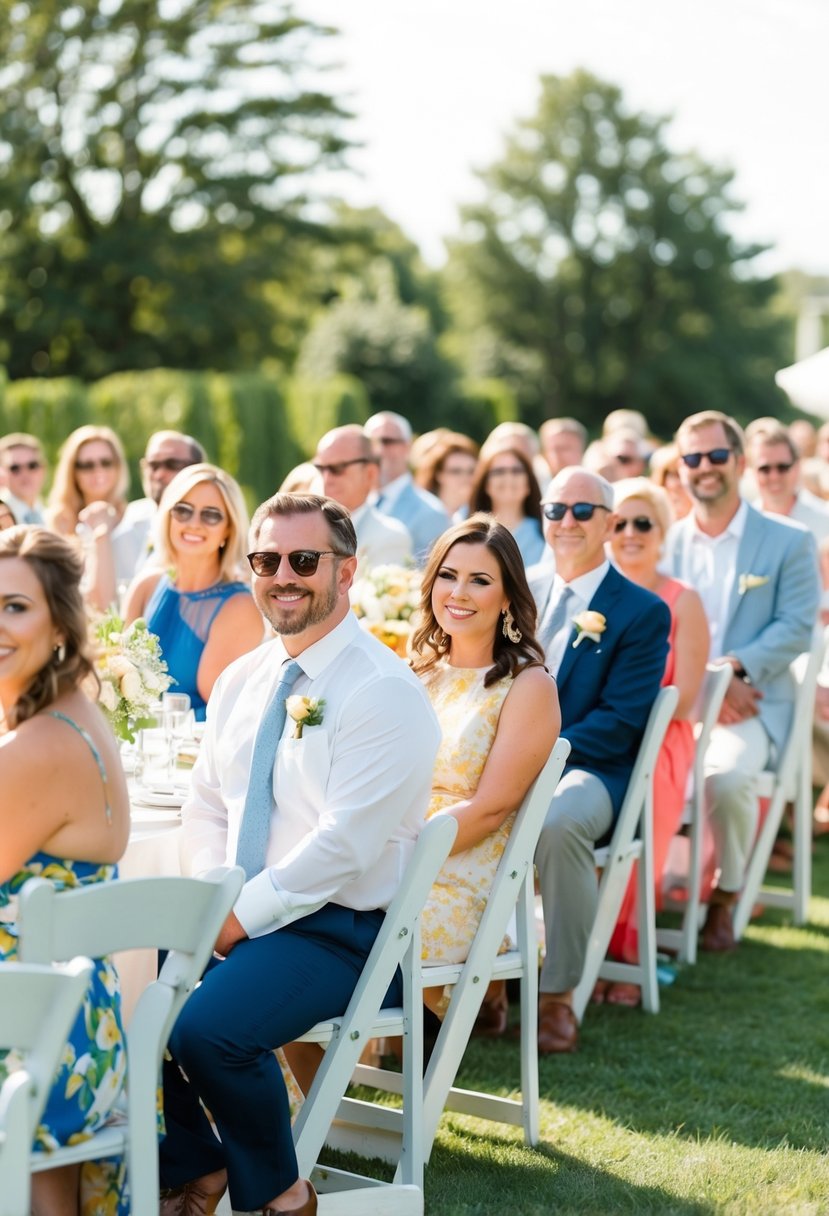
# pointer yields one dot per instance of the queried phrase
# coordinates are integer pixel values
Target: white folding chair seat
(180, 915)
(684, 940)
(38, 1007)
(632, 841)
(405, 1136)
(789, 781)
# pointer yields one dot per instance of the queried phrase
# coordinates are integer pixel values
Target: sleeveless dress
(181, 620)
(468, 715)
(670, 783)
(91, 1074)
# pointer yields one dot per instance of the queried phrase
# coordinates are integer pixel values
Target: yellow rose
(591, 622)
(131, 686)
(298, 707)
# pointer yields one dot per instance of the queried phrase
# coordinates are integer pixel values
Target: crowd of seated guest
(636, 576)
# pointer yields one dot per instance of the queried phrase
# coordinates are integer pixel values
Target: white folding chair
(397, 945)
(712, 695)
(180, 915)
(789, 781)
(406, 1135)
(632, 841)
(38, 1007)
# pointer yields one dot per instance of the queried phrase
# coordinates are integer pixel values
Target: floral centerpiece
(386, 600)
(132, 672)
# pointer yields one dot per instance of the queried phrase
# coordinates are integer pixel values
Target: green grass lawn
(719, 1104)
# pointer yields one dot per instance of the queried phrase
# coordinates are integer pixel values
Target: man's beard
(317, 607)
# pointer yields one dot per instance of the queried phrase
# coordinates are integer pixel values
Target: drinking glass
(175, 719)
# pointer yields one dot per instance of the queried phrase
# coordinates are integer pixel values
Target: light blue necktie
(255, 828)
(554, 621)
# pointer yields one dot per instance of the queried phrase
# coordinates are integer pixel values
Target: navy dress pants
(267, 992)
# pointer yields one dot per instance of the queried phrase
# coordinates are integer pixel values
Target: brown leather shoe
(309, 1207)
(558, 1027)
(718, 931)
(491, 1021)
(197, 1198)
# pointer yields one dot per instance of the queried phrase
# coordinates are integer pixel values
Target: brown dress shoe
(309, 1207)
(718, 931)
(491, 1021)
(197, 1198)
(558, 1027)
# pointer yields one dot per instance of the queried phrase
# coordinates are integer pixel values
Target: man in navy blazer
(421, 512)
(606, 642)
(757, 576)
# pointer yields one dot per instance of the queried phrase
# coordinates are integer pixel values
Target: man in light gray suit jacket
(421, 512)
(757, 577)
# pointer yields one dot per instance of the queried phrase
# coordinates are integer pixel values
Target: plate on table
(146, 816)
(156, 796)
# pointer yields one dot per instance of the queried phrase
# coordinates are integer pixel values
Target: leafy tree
(599, 271)
(391, 347)
(153, 162)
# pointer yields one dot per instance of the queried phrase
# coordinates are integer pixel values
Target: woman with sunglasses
(88, 500)
(643, 516)
(201, 611)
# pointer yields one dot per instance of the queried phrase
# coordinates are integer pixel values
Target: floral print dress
(468, 715)
(91, 1074)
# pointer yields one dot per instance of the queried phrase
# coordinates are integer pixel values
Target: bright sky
(437, 83)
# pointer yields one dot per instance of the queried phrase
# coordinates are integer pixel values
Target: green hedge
(254, 424)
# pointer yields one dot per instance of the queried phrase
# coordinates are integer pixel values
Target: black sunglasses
(780, 469)
(715, 456)
(640, 523)
(169, 465)
(582, 511)
(31, 465)
(87, 466)
(211, 516)
(336, 470)
(303, 562)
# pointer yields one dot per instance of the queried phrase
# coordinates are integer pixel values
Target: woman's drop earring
(508, 628)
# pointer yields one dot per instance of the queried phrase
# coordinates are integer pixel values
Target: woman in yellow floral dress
(475, 648)
(65, 816)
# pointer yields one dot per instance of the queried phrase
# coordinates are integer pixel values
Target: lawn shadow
(738, 1051)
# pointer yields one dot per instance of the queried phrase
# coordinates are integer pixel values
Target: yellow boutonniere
(589, 625)
(748, 582)
(305, 711)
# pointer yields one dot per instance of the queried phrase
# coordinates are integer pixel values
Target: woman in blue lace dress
(202, 612)
(65, 816)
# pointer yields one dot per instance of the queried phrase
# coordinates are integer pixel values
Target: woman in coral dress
(644, 516)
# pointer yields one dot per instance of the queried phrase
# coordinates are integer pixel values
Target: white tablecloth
(153, 850)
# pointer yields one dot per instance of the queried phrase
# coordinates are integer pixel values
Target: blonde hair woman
(643, 517)
(88, 499)
(198, 605)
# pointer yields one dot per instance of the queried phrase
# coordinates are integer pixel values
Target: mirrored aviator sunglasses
(211, 517)
(581, 511)
(303, 562)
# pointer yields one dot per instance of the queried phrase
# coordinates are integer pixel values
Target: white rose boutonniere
(589, 625)
(305, 711)
(748, 582)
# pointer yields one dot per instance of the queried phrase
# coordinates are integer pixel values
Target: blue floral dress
(91, 1075)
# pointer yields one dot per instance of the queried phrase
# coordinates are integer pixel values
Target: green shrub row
(256, 425)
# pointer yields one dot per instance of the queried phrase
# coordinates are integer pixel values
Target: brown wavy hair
(58, 568)
(430, 644)
(480, 499)
(426, 475)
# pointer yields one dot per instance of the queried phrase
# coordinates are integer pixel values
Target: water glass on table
(177, 723)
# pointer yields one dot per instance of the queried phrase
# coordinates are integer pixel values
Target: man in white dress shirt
(344, 803)
(757, 577)
(349, 470)
(422, 513)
